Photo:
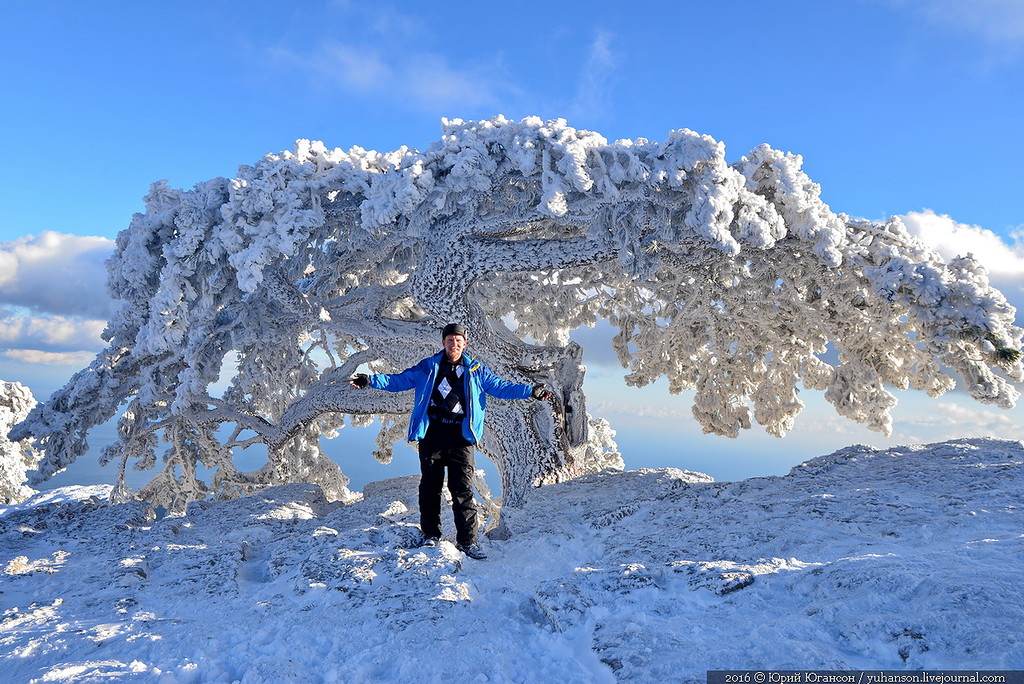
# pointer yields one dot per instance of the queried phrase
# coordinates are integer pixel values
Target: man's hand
(541, 392)
(359, 380)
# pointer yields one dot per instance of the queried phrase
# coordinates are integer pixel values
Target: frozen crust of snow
(907, 558)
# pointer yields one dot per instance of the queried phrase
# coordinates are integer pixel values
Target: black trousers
(442, 448)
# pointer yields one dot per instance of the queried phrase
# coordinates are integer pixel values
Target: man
(447, 420)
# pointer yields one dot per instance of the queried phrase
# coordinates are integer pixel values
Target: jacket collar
(464, 360)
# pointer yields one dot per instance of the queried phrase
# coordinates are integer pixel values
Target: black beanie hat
(453, 329)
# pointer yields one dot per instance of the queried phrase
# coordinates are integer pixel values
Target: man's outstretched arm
(397, 382)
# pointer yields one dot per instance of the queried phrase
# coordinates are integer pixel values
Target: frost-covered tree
(728, 279)
(16, 457)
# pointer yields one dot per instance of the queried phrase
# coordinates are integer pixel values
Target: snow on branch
(16, 457)
(728, 279)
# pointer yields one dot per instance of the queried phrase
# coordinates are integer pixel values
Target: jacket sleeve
(502, 389)
(408, 379)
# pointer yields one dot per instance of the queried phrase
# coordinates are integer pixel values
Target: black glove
(541, 392)
(360, 380)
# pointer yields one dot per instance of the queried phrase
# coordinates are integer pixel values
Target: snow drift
(904, 558)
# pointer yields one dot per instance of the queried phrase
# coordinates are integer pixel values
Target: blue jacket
(479, 382)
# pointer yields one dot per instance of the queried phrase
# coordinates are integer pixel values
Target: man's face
(453, 346)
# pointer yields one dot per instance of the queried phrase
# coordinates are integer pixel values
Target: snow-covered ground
(902, 559)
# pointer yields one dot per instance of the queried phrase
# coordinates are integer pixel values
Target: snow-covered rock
(907, 558)
(16, 456)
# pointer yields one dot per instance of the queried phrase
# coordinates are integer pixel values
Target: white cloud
(952, 239)
(8, 268)
(56, 273)
(997, 21)
(388, 52)
(997, 25)
(53, 298)
(423, 79)
(642, 411)
(78, 358)
(348, 66)
(435, 82)
(594, 90)
(950, 420)
(50, 333)
(1004, 262)
(599, 354)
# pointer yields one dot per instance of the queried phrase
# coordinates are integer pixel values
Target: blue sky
(899, 107)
